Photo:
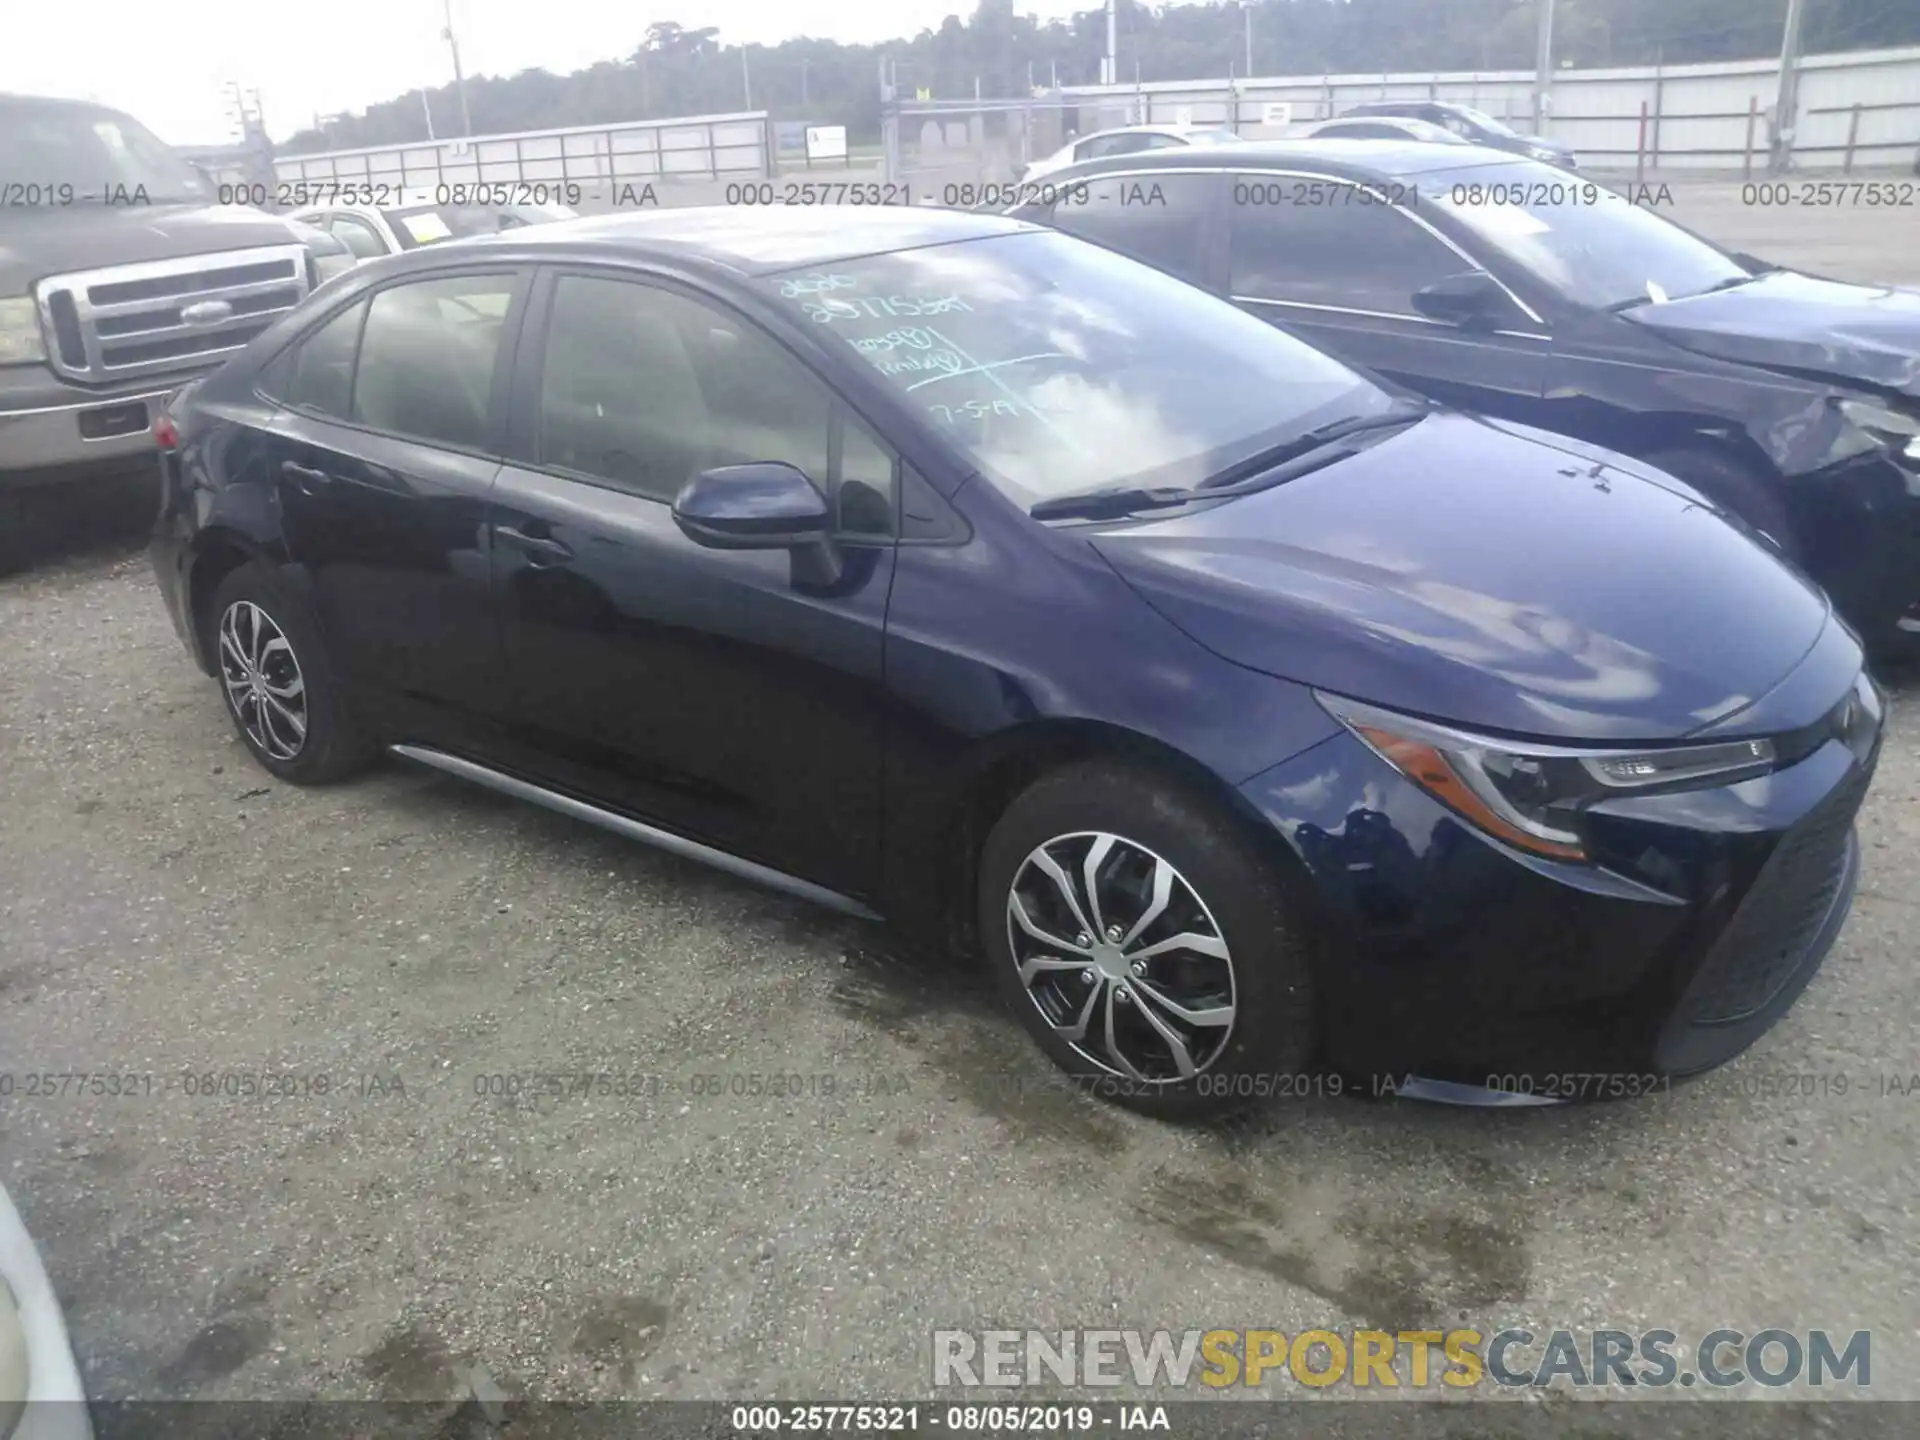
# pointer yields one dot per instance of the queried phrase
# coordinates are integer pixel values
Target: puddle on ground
(618, 1332)
(1411, 1264)
(945, 1011)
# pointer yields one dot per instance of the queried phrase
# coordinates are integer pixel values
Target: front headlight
(1530, 796)
(20, 339)
(1541, 152)
(1894, 429)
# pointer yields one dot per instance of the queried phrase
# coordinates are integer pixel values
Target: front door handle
(305, 476)
(537, 547)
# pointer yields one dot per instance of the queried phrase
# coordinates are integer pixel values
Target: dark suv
(1475, 126)
(1516, 291)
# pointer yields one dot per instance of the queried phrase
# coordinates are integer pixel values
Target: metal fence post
(1753, 120)
(1659, 94)
(1853, 137)
(1640, 146)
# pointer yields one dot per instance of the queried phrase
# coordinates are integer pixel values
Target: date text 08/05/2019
(906, 1418)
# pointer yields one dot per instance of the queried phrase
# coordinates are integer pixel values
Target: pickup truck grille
(131, 321)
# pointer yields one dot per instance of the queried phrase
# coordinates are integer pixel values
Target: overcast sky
(166, 62)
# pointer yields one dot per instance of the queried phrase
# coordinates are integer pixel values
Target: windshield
(1212, 137)
(1487, 122)
(418, 225)
(74, 153)
(1594, 246)
(1056, 366)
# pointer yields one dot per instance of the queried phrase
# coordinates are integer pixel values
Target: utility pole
(1787, 106)
(459, 80)
(1246, 11)
(1543, 68)
(803, 81)
(427, 110)
(1110, 67)
(746, 79)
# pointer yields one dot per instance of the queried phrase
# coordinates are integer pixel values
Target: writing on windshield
(1055, 365)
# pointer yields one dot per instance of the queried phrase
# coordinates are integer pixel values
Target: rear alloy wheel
(1146, 943)
(265, 689)
(277, 683)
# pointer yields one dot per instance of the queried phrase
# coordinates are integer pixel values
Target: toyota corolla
(1245, 715)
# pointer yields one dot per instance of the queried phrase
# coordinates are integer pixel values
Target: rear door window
(317, 374)
(428, 357)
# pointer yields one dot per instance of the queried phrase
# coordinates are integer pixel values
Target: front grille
(136, 320)
(1768, 938)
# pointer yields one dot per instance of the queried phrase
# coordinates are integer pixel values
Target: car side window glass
(1161, 142)
(318, 372)
(1360, 255)
(359, 237)
(645, 388)
(866, 485)
(1159, 218)
(427, 359)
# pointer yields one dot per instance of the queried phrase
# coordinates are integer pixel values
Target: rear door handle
(537, 547)
(305, 476)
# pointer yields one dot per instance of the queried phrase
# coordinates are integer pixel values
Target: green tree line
(673, 70)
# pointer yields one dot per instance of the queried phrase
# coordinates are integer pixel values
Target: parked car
(894, 558)
(1475, 126)
(1504, 287)
(122, 277)
(41, 1397)
(330, 254)
(421, 217)
(1385, 127)
(1128, 140)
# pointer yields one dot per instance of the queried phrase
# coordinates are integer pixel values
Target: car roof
(1424, 130)
(1362, 159)
(1159, 127)
(747, 239)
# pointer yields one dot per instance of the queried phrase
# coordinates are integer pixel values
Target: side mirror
(764, 506)
(1469, 299)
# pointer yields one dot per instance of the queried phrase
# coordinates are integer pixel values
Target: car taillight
(166, 434)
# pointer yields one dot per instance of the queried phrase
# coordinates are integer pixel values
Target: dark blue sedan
(1251, 720)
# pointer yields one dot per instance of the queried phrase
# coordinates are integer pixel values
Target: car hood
(37, 243)
(1473, 575)
(1788, 321)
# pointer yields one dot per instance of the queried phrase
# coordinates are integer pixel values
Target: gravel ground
(405, 963)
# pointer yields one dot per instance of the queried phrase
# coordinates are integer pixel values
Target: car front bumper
(52, 432)
(1453, 959)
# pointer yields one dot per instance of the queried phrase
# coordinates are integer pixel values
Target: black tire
(1240, 891)
(331, 746)
(1733, 486)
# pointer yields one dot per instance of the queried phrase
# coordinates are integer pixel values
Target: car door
(1167, 216)
(383, 450)
(1336, 264)
(724, 694)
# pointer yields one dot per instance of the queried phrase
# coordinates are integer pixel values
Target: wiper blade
(1314, 450)
(1109, 503)
(1390, 419)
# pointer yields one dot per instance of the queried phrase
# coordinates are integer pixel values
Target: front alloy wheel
(265, 689)
(1122, 957)
(1150, 941)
